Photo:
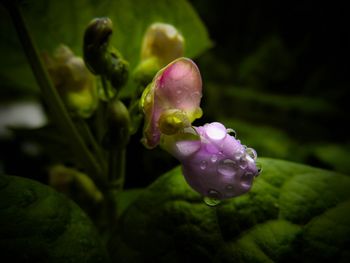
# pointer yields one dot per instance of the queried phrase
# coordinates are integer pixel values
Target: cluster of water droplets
(218, 166)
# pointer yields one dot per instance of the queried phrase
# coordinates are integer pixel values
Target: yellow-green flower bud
(73, 81)
(164, 42)
(161, 44)
(68, 180)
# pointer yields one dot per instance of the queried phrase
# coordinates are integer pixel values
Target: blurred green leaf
(39, 225)
(280, 220)
(55, 22)
(270, 64)
(328, 235)
(125, 198)
(335, 156)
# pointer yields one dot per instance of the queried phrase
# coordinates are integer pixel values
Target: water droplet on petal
(247, 179)
(195, 95)
(215, 132)
(214, 158)
(187, 148)
(232, 132)
(252, 153)
(238, 155)
(258, 167)
(227, 167)
(203, 164)
(213, 198)
(211, 201)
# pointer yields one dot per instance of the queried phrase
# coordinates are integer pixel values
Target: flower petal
(216, 162)
(176, 87)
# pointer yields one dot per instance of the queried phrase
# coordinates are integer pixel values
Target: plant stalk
(52, 99)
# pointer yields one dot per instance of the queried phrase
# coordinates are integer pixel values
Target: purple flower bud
(171, 101)
(215, 164)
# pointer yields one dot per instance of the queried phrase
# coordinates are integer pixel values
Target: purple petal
(217, 162)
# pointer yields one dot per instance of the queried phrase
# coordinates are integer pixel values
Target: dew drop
(238, 155)
(213, 198)
(247, 179)
(203, 164)
(252, 153)
(215, 132)
(232, 132)
(195, 94)
(187, 148)
(211, 201)
(226, 167)
(214, 158)
(258, 167)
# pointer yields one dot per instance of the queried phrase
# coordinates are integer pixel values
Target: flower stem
(90, 139)
(52, 99)
(117, 168)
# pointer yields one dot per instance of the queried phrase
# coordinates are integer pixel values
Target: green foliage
(297, 128)
(292, 212)
(56, 22)
(39, 225)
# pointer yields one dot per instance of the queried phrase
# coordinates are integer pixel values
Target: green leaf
(55, 22)
(38, 224)
(327, 236)
(266, 242)
(289, 210)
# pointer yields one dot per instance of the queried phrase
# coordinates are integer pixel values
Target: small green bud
(96, 39)
(119, 125)
(68, 180)
(100, 57)
(117, 70)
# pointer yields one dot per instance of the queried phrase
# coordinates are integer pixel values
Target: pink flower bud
(171, 100)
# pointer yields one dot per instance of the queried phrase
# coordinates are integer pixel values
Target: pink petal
(177, 86)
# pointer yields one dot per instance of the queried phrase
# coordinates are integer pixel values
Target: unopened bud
(119, 125)
(65, 179)
(161, 44)
(96, 39)
(164, 42)
(73, 81)
(99, 57)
